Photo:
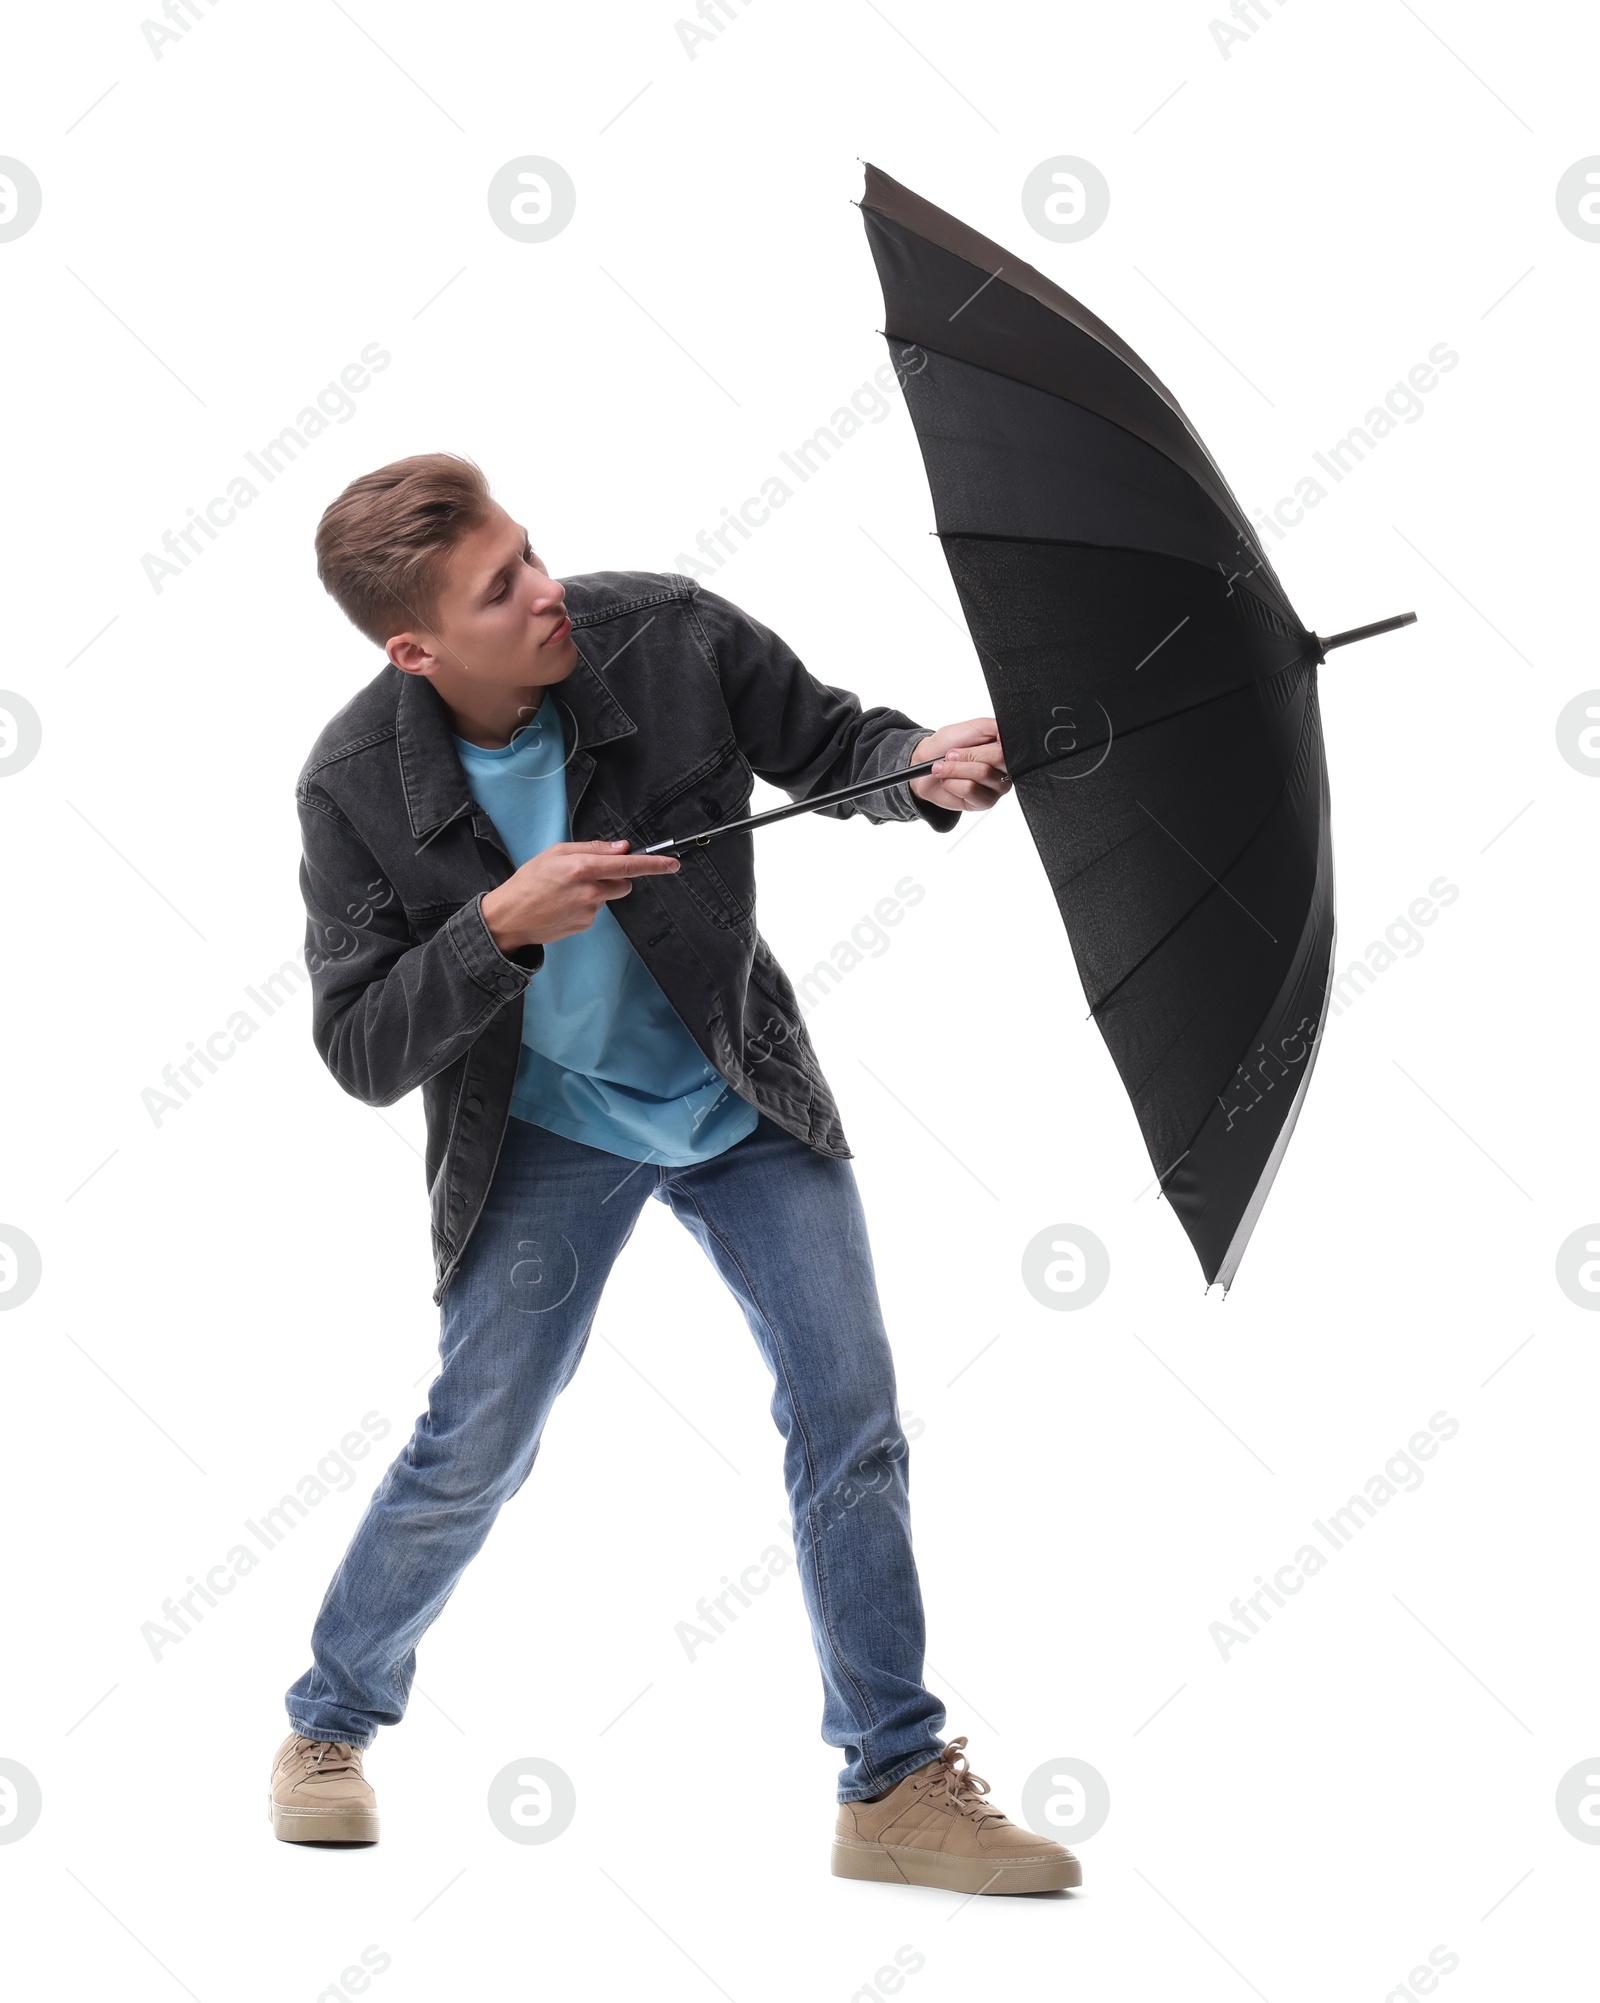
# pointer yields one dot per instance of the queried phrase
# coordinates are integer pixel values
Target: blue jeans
(783, 1225)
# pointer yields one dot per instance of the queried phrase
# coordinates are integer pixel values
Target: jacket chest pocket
(449, 871)
(719, 878)
(725, 891)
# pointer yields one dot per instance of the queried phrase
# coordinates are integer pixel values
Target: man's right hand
(560, 891)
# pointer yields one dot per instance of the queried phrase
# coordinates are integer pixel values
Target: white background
(224, 1294)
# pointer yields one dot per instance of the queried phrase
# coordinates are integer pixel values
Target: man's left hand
(971, 773)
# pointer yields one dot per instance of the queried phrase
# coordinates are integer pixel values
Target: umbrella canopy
(1156, 695)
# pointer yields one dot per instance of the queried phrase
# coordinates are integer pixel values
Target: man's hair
(383, 544)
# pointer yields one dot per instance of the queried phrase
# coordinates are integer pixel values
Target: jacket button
(508, 982)
(474, 1105)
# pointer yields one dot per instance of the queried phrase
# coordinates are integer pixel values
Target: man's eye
(527, 557)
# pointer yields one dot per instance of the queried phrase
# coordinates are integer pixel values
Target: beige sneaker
(935, 1828)
(319, 1795)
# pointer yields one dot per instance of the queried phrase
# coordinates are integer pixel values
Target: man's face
(500, 623)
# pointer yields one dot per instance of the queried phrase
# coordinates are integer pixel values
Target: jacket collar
(435, 784)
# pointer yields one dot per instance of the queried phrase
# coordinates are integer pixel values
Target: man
(589, 1027)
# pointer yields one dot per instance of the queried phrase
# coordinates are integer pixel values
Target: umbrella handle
(1365, 632)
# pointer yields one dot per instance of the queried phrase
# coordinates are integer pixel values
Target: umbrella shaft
(859, 791)
(1366, 632)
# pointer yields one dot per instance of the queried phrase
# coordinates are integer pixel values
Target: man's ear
(410, 654)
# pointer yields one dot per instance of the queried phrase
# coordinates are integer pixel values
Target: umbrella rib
(1189, 1145)
(1167, 716)
(1316, 1037)
(1134, 1089)
(1272, 589)
(1236, 519)
(1194, 1137)
(1217, 880)
(1177, 924)
(1184, 917)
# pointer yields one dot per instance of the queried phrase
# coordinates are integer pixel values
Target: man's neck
(490, 719)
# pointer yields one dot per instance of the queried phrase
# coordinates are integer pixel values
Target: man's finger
(976, 730)
(964, 791)
(986, 771)
(591, 860)
(607, 868)
(986, 751)
(611, 851)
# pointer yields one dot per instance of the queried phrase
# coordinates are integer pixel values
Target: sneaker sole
(329, 1825)
(884, 1866)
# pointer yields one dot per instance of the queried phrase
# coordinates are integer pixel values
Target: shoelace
(956, 1783)
(328, 1759)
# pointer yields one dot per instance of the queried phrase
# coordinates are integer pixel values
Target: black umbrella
(1156, 695)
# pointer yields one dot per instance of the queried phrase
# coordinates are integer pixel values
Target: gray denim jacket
(677, 698)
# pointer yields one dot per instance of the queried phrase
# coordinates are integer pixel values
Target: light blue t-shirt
(605, 1058)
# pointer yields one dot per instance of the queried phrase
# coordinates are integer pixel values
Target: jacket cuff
(496, 972)
(909, 805)
(941, 819)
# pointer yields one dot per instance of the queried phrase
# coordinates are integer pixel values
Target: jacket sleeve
(387, 1012)
(800, 733)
